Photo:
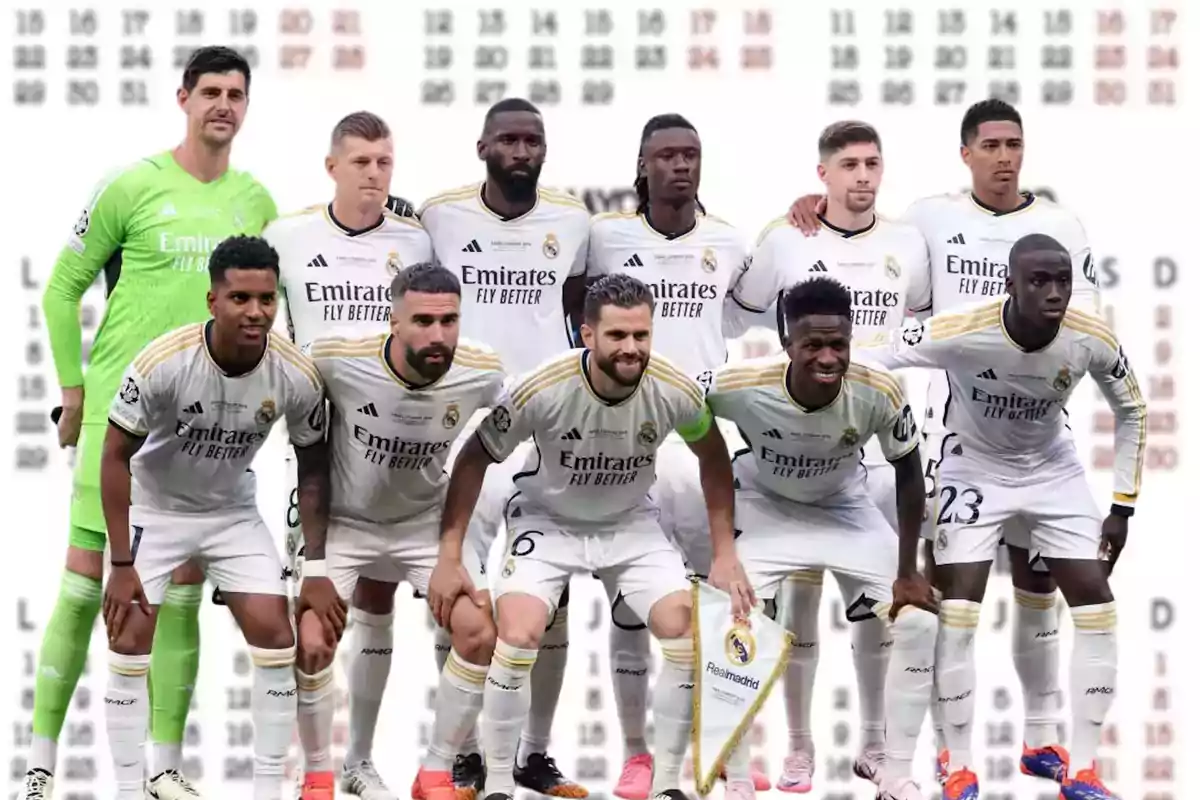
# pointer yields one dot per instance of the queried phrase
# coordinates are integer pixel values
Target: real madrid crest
(740, 647)
(891, 267)
(850, 437)
(708, 261)
(647, 434)
(266, 413)
(550, 246)
(393, 264)
(451, 417)
(1063, 381)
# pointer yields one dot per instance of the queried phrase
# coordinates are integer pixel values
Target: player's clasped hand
(728, 575)
(449, 580)
(318, 594)
(912, 590)
(122, 593)
(1113, 533)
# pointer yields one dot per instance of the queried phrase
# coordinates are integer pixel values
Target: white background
(1126, 168)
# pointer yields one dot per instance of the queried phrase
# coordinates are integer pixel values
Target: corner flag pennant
(737, 665)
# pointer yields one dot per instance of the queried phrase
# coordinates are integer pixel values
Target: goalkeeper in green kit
(149, 229)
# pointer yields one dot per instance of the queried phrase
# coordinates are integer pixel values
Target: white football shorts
(680, 500)
(631, 556)
(488, 519)
(233, 546)
(391, 553)
(1056, 517)
(881, 487)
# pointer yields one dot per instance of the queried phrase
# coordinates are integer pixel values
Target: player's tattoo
(312, 492)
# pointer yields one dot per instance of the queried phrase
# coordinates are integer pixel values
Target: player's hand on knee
(728, 575)
(316, 648)
(318, 594)
(449, 580)
(912, 590)
(1113, 533)
(122, 594)
(805, 213)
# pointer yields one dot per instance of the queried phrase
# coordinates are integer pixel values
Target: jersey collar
(385, 354)
(208, 352)
(787, 390)
(1028, 199)
(587, 381)
(351, 231)
(846, 233)
(670, 237)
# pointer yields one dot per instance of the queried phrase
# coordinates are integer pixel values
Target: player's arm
(574, 291)
(306, 419)
(748, 303)
(704, 439)
(1110, 369)
(129, 419)
(919, 298)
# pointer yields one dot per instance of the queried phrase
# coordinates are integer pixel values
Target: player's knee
(137, 635)
(264, 621)
(1025, 577)
(671, 617)
(472, 632)
(963, 581)
(1083, 582)
(85, 562)
(915, 629)
(190, 574)
(521, 620)
(374, 597)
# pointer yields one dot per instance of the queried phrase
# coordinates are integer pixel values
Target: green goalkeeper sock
(64, 653)
(174, 663)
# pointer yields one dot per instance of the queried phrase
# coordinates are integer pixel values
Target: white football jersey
(202, 427)
(593, 460)
(885, 267)
(689, 275)
(338, 282)
(969, 245)
(512, 271)
(389, 441)
(1006, 404)
(802, 455)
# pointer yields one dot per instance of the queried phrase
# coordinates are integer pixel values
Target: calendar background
(1104, 92)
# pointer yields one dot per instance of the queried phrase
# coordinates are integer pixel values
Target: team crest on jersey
(891, 267)
(647, 434)
(550, 246)
(850, 437)
(1063, 381)
(239, 221)
(510, 567)
(451, 417)
(266, 413)
(740, 647)
(708, 261)
(83, 223)
(393, 264)
(942, 541)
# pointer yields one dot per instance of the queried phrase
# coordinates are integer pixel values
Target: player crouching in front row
(381, 486)
(194, 408)
(598, 416)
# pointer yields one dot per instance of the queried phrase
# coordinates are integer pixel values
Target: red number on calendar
(296, 21)
(1110, 23)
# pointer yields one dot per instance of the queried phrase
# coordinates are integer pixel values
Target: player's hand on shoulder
(805, 213)
(1113, 533)
(319, 595)
(123, 595)
(728, 575)
(912, 590)
(449, 580)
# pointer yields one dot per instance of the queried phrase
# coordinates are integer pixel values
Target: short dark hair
(507, 105)
(618, 289)
(990, 110)
(361, 125)
(1032, 243)
(841, 135)
(214, 59)
(427, 277)
(659, 122)
(241, 252)
(817, 296)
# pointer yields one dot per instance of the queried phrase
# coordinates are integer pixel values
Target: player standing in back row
(518, 250)
(969, 235)
(885, 266)
(337, 263)
(150, 229)
(689, 259)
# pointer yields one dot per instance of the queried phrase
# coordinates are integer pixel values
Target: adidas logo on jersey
(818, 267)
(472, 247)
(773, 434)
(572, 436)
(956, 239)
(369, 410)
(319, 261)
(987, 375)
(636, 261)
(194, 408)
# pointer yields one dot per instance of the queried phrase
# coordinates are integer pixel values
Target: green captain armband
(696, 429)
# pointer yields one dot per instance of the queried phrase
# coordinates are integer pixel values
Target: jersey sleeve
(1085, 290)
(594, 263)
(98, 234)
(305, 409)
(264, 205)
(897, 432)
(137, 401)
(927, 344)
(1114, 376)
(511, 420)
(919, 299)
(579, 264)
(760, 281)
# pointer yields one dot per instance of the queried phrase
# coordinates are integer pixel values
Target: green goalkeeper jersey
(150, 229)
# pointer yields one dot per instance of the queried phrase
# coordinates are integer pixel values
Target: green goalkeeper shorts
(87, 513)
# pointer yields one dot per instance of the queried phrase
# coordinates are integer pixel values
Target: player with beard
(689, 259)
(519, 251)
(386, 483)
(582, 506)
(969, 235)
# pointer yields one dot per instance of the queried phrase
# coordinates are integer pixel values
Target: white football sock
(273, 713)
(955, 676)
(165, 756)
(630, 661)
(441, 646)
(1093, 679)
(871, 648)
(459, 701)
(370, 655)
(737, 763)
(801, 615)
(909, 686)
(545, 687)
(672, 712)
(1035, 648)
(314, 718)
(126, 710)
(505, 707)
